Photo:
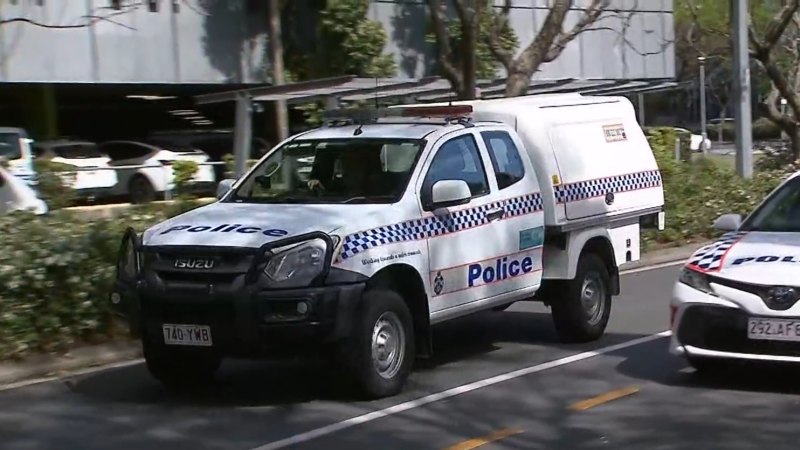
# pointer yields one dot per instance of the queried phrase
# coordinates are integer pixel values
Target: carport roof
(429, 89)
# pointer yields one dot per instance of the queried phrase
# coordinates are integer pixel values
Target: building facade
(224, 41)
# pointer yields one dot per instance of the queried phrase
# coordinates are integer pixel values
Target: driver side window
(457, 159)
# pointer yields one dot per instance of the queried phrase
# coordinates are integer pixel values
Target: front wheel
(381, 350)
(581, 312)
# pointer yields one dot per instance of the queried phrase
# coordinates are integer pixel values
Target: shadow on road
(261, 383)
(670, 370)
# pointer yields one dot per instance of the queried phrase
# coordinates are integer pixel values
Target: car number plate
(773, 329)
(195, 335)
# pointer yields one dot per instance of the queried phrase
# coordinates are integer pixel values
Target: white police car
(737, 299)
(410, 217)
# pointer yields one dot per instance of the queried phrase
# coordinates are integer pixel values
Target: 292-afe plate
(773, 329)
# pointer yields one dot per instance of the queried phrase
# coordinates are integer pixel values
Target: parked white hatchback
(738, 298)
(94, 177)
(144, 171)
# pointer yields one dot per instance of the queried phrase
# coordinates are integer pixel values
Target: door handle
(495, 214)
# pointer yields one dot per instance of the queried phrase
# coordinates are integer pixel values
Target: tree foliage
(462, 42)
(346, 42)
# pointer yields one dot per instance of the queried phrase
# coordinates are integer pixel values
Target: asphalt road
(498, 376)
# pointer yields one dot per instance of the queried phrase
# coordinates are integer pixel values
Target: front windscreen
(780, 211)
(10, 146)
(361, 170)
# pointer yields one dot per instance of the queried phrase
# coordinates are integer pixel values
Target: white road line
(452, 392)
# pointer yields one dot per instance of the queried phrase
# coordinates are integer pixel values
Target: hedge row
(56, 271)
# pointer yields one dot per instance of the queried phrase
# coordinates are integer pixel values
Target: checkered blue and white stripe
(583, 190)
(432, 226)
(710, 256)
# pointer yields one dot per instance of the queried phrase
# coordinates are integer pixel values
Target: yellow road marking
(477, 442)
(604, 398)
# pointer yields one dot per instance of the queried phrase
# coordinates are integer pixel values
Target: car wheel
(582, 312)
(179, 369)
(381, 350)
(141, 190)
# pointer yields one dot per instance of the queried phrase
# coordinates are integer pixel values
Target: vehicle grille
(725, 330)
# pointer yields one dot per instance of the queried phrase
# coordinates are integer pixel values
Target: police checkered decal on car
(432, 226)
(711, 256)
(583, 190)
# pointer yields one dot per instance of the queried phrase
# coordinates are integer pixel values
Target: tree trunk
(795, 137)
(517, 83)
(278, 78)
(469, 39)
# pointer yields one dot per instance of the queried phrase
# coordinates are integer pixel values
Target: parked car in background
(696, 140)
(144, 171)
(94, 177)
(16, 195)
(15, 151)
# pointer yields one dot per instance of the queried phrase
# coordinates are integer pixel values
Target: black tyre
(582, 310)
(180, 369)
(140, 190)
(381, 351)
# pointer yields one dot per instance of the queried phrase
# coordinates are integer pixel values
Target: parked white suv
(93, 177)
(144, 171)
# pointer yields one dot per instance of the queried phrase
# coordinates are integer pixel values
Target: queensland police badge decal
(438, 284)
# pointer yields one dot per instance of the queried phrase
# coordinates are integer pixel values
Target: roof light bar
(370, 115)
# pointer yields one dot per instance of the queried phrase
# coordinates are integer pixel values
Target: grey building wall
(196, 41)
(220, 41)
(635, 39)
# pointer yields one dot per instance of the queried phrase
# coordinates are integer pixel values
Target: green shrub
(55, 183)
(184, 171)
(56, 272)
(696, 193)
(763, 130)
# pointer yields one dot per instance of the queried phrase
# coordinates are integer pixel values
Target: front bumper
(711, 327)
(246, 321)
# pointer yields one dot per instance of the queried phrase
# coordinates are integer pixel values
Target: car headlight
(298, 265)
(695, 279)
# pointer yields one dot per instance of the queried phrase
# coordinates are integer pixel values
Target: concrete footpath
(82, 358)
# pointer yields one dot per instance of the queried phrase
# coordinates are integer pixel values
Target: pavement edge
(54, 365)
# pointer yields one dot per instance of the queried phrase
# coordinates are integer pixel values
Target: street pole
(703, 130)
(741, 65)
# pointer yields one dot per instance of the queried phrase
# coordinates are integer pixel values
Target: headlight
(297, 266)
(695, 279)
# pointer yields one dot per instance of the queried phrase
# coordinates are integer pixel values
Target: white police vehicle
(737, 299)
(409, 217)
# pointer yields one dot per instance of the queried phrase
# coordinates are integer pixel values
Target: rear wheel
(178, 369)
(141, 190)
(583, 308)
(380, 353)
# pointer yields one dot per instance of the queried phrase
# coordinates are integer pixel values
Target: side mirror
(224, 186)
(450, 193)
(728, 222)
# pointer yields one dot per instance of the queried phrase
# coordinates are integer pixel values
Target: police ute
(737, 298)
(354, 239)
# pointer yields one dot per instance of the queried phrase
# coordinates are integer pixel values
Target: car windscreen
(358, 170)
(10, 146)
(83, 151)
(780, 212)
